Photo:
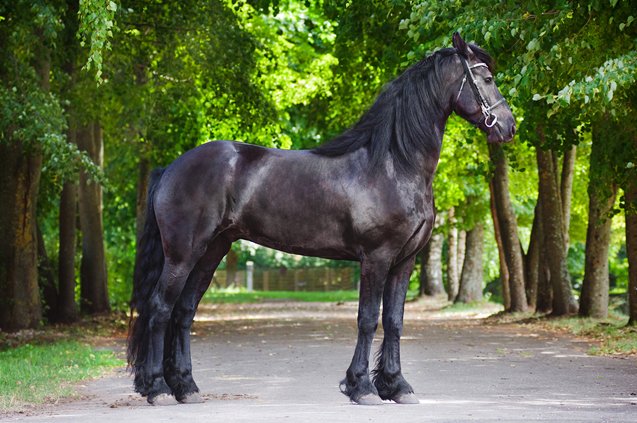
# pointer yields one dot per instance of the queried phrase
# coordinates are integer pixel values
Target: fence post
(249, 275)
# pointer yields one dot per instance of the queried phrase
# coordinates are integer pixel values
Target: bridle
(484, 106)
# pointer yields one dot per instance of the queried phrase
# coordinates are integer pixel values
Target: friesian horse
(365, 196)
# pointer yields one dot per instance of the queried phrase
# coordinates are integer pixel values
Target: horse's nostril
(513, 129)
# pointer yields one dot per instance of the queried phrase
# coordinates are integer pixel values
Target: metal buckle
(492, 123)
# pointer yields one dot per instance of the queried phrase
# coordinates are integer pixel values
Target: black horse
(365, 196)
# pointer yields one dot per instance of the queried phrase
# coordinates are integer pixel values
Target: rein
(484, 105)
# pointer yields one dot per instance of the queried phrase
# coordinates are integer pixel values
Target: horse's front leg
(357, 384)
(388, 379)
(177, 357)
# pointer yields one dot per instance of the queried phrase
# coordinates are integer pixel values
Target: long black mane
(401, 121)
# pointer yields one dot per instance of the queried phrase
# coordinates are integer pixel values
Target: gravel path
(281, 362)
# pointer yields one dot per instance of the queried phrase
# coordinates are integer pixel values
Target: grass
(33, 374)
(241, 296)
(611, 335)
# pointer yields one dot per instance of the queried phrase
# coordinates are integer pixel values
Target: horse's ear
(461, 46)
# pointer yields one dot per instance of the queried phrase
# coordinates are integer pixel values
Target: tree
(25, 84)
(431, 267)
(548, 59)
(511, 249)
(602, 191)
(471, 278)
(454, 266)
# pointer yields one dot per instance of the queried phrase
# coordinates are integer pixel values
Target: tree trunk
(601, 199)
(20, 170)
(553, 230)
(46, 276)
(508, 229)
(67, 307)
(232, 262)
(504, 271)
(19, 179)
(143, 176)
(630, 193)
(532, 261)
(471, 280)
(93, 289)
(594, 296)
(431, 270)
(544, 298)
(566, 191)
(462, 244)
(453, 271)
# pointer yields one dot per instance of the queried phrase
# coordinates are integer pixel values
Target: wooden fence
(282, 279)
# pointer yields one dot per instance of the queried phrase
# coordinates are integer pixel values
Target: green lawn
(241, 296)
(32, 374)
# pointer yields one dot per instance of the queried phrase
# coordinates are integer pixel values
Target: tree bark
(20, 170)
(594, 296)
(566, 191)
(67, 307)
(431, 271)
(93, 288)
(143, 176)
(453, 271)
(462, 244)
(232, 262)
(471, 280)
(601, 199)
(504, 271)
(508, 229)
(47, 283)
(630, 193)
(532, 261)
(553, 230)
(544, 298)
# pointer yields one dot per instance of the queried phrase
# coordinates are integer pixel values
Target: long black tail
(149, 262)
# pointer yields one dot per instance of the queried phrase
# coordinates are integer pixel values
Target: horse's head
(477, 98)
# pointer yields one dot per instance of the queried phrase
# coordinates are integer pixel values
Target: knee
(367, 324)
(183, 315)
(393, 324)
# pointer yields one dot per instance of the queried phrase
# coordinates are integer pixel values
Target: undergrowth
(34, 374)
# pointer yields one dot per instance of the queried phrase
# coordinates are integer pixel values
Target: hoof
(406, 399)
(161, 399)
(191, 398)
(369, 399)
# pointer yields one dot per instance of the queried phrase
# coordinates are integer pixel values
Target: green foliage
(33, 374)
(268, 258)
(97, 18)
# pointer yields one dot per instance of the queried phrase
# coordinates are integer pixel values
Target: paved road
(282, 362)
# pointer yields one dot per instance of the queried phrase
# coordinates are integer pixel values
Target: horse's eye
(488, 79)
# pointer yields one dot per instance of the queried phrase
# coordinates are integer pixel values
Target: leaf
(112, 6)
(536, 97)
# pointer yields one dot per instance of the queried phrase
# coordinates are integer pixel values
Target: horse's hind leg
(388, 378)
(177, 361)
(149, 376)
(357, 384)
